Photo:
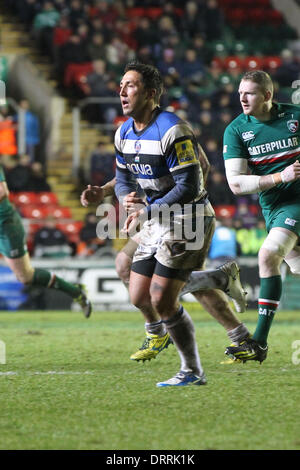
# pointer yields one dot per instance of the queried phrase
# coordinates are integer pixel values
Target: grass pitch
(68, 383)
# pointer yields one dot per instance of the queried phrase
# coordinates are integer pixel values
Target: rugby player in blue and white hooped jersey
(160, 151)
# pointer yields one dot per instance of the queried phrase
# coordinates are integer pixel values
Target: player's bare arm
(96, 194)
(240, 182)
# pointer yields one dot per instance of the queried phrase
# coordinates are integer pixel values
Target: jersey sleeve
(233, 146)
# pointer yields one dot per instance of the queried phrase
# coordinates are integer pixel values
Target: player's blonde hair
(262, 78)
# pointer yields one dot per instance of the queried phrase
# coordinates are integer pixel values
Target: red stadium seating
(47, 198)
(74, 72)
(59, 212)
(253, 63)
(225, 211)
(272, 62)
(71, 230)
(22, 198)
(34, 212)
(233, 62)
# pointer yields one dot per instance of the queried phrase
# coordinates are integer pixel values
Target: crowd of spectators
(200, 54)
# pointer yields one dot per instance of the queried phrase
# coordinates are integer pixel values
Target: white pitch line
(49, 372)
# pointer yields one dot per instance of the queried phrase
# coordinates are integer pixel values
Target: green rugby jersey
(269, 147)
(6, 208)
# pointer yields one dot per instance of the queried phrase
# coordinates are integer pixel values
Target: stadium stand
(227, 37)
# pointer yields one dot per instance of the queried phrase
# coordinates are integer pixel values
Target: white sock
(182, 331)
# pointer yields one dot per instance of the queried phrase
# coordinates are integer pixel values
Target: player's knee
(277, 244)
(162, 303)
(24, 277)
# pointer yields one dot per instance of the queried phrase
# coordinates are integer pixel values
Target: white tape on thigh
(278, 242)
(294, 264)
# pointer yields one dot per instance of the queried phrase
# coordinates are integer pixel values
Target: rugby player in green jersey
(14, 250)
(261, 152)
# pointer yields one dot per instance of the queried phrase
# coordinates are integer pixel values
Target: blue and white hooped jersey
(159, 154)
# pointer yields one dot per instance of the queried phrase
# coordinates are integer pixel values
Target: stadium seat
(225, 211)
(153, 12)
(253, 63)
(233, 62)
(59, 212)
(22, 198)
(237, 15)
(275, 17)
(135, 12)
(34, 212)
(47, 198)
(257, 15)
(271, 63)
(74, 72)
(71, 230)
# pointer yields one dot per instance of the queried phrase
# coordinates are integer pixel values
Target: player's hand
(132, 222)
(92, 195)
(291, 173)
(132, 203)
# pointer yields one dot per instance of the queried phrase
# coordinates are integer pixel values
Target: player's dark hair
(151, 77)
(260, 77)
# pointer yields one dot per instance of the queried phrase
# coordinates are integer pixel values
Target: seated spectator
(50, 242)
(145, 34)
(89, 243)
(98, 84)
(18, 176)
(214, 154)
(61, 33)
(192, 20)
(74, 51)
(43, 25)
(169, 65)
(78, 13)
(118, 53)
(213, 20)
(192, 69)
(244, 213)
(102, 164)
(37, 181)
(218, 190)
(288, 71)
(27, 10)
(32, 129)
(96, 48)
(165, 28)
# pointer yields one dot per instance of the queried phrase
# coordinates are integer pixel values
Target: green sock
(44, 278)
(269, 297)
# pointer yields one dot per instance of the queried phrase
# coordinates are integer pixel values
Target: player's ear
(152, 93)
(268, 95)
